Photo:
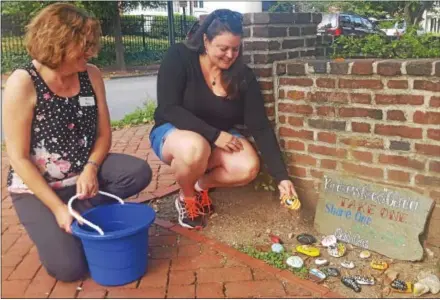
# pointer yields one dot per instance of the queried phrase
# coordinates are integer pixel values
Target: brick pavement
(182, 263)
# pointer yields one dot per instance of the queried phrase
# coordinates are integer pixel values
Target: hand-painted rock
(420, 289)
(308, 250)
(351, 283)
(329, 240)
(364, 280)
(275, 239)
(336, 250)
(317, 273)
(321, 262)
(347, 264)
(378, 265)
(399, 285)
(365, 254)
(432, 282)
(331, 272)
(295, 262)
(277, 248)
(306, 239)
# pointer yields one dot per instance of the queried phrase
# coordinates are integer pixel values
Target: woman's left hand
(87, 184)
(287, 189)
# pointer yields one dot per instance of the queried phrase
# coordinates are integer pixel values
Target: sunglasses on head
(226, 15)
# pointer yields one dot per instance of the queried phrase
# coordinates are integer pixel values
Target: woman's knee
(191, 149)
(245, 169)
(68, 270)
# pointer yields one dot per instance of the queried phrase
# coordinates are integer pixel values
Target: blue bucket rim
(94, 235)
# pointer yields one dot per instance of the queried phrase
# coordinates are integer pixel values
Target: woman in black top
(204, 89)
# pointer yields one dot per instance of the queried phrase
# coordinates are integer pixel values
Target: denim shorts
(159, 135)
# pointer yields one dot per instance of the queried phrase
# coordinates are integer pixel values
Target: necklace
(215, 78)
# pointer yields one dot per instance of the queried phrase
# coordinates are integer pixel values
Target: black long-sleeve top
(187, 102)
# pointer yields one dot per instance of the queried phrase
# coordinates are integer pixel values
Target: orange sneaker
(190, 212)
(205, 202)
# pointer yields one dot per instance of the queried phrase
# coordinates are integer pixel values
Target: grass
(143, 115)
(277, 260)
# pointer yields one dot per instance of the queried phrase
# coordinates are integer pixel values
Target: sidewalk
(182, 263)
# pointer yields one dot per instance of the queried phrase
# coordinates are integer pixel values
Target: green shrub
(159, 26)
(409, 45)
(144, 115)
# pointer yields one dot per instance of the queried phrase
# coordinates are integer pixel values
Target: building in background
(431, 19)
(197, 8)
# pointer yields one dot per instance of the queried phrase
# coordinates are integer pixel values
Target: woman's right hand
(64, 218)
(228, 142)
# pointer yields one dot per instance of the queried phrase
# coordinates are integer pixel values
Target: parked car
(397, 28)
(337, 24)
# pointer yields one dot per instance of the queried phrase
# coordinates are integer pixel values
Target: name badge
(86, 101)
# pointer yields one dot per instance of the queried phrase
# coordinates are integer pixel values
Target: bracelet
(93, 164)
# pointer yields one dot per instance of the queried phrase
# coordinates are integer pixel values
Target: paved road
(124, 95)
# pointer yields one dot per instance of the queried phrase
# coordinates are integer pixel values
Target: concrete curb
(153, 73)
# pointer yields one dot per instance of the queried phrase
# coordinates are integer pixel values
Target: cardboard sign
(384, 219)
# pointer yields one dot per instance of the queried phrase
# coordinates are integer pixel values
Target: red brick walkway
(182, 263)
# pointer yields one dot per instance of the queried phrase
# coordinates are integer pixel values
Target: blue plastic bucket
(115, 240)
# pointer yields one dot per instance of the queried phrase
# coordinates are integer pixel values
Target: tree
(113, 10)
(110, 10)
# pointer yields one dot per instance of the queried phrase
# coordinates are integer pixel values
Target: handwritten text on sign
(371, 216)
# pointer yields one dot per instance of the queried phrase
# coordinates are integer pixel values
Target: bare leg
(187, 153)
(231, 169)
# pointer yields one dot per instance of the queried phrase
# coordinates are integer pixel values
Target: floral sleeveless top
(62, 134)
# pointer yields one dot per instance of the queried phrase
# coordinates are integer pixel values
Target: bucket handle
(81, 219)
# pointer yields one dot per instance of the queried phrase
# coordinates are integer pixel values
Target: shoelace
(192, 208)
(205, 200)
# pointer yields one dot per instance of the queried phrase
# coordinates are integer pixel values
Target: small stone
(351, 283)
(78, 288)
(365, 254)
(214, 215)
(420, 289)
(331, 272)
(321, 262)
(268, 231)
(379, 265)
(277, 248)
(290, 235)
(317, 273)
(258, 234)
(306, 239)
(432, 282)
(386, 291)
(347, 264)
(336, 250)
(329, 240)
(295, 262)
(364, 280)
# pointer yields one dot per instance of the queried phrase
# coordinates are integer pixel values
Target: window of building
(198, 4)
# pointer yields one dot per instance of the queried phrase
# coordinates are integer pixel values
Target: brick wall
(271, 37)
(374, 120)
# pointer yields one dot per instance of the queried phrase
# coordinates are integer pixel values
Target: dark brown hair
(218, 22)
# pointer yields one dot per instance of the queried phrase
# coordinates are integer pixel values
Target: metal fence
(145, 39)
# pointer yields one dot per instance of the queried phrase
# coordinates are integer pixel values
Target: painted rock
(401, 286)
(277, 248)
(378, 265)
(432, 282)
(320, 276)
(336, 250)
(347, 264)
(308, 250)
(321, 262)
(295, 262)
(329, 240)
(365, 254)
(306, 239)
(275, 239)
(364, 280)
(331, 272)
(351, 283)
(420, 289)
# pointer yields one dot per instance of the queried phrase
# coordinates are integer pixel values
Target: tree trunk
(119, 46)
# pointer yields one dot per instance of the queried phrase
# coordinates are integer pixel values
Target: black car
(337, 24)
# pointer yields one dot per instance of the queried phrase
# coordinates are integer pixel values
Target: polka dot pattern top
(63, 133)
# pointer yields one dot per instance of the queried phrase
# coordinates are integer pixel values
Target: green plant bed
(277, 260)
(144, 115)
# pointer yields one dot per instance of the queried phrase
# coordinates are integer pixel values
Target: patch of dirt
(245, 217)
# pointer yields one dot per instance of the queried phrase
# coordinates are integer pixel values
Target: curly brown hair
(61, 32)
